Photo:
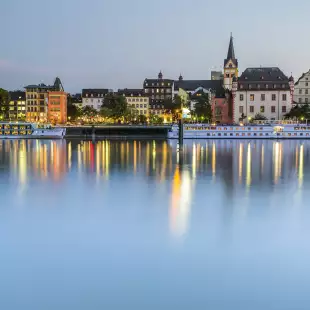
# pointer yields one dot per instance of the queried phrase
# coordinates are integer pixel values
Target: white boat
(20, 130)
(263, 130)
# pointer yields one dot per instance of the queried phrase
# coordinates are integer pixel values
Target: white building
(94, 97)
(302, 89)
(264, 91)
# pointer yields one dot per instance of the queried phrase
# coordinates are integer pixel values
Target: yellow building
(137, 100)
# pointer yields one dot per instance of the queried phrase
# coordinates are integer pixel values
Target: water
(137, 225)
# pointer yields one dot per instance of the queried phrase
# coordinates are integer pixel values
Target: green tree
(142, 119)
(4, 103)
(203, 107)
(118, 106)
(73, 112)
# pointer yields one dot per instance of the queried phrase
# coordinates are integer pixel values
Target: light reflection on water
(222, 224)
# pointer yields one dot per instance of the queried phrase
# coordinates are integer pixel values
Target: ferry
(30, 131)
(260, 130)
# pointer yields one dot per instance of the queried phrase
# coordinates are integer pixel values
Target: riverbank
(127, 132)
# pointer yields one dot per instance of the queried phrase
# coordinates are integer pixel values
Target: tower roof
(231, 52)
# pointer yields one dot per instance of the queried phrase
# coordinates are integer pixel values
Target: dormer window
(283, 85)
(274, 85)
(92, 95)
(261, 77)
(86, 95)
(250, 86)
(146, 84)
(258, 86)
(267, 86)
(230, 65)
(241, 86)
(246, 78)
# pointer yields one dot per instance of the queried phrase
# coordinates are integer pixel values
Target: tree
(299, 112)
(73, 112)
(260, 117)
(4, 103)
(118, 106)
(142, 119)
(203, 107)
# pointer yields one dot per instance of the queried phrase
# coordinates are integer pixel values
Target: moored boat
(24, 130)
(262, 130)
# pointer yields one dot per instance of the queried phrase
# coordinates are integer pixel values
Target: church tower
(230, 65)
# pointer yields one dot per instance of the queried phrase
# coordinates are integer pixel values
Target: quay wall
(117, 132)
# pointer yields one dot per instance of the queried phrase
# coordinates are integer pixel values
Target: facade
(302, 89)
(159, 90)
(230, 66)
(37, 100)
(265, 91)
(219, 98)
(136, 99)
(94, 97)
(57, 107)
(17, 105)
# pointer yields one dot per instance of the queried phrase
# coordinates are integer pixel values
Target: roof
(17, 95)
(192, 85)
(131, 92)
(58, 85)
(302, 76)
(231, 53)
(149, 82)
(268, 78)
(96, 92)
(41, 86)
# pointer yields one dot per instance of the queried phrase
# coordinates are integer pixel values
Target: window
(283, 109)
(251, 109)
(299, 100)
(274, 85)
(273, 109)
(157, 90)
(262, 109)
(241, 97)
(227, 75)
(300, 91)
(262, 97)
(283, 85)
(306, 91)
(241, 109)
(145, 106)
(252, 97)
(273, 97)
(241, 86)
(267, 86)
(306, 100)
(258, 86)
(283, 97)
(306, 84)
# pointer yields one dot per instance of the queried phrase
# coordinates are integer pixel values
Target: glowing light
(301, 166)
(249, 167)
(213, 159)
(240, 161)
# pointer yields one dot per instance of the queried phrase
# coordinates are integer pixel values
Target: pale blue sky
(117, 43)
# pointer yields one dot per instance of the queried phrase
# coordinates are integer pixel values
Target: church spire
(231, 50)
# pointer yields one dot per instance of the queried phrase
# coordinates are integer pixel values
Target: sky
(118, 43)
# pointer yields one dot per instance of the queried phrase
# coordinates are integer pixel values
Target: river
(141, 225)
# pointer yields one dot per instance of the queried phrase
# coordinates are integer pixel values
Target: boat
(260, 130)
(24, 130)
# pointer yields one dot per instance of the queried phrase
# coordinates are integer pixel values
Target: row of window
(158, 84)
(306, 91)
(262, 109)
(141, 106)
(255, 134)
(162, 97)
(92, 95)
(42, 102)
(137, 99)
(300, 100)
(263, 97)
(158, 112)
(157, 90)
(92, 100)
(266, 86)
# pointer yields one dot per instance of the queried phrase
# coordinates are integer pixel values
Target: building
(17, 105)
(302, 89)
(230, 65)
(94, 97)
(137, 100)
(37, 100)
(219, 99)
(265, 91)
(159, 90)
(57, 107)
(217, 75)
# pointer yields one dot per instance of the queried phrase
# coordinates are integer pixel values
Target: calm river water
(138, 225)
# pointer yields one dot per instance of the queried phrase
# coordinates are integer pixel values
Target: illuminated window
(252, 97)
(262, 109)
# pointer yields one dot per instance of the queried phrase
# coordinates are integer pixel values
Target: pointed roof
(58, 85)
(231, 52)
